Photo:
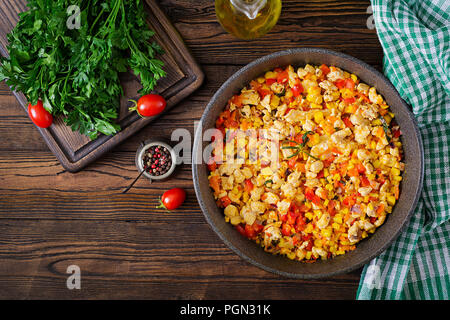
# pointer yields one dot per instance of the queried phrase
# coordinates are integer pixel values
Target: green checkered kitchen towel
(415, 35)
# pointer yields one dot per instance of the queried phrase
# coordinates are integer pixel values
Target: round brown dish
(367, 249)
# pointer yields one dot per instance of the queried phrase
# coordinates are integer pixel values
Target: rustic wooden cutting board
(75, 151)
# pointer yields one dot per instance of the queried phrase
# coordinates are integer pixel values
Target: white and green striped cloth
(415, 35)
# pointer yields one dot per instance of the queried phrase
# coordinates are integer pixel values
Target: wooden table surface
(125, 248)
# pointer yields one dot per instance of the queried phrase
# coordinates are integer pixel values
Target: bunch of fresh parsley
(75, 70)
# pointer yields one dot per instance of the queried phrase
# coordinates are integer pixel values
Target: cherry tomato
(41, 117)
(173, 198)
(149, 105)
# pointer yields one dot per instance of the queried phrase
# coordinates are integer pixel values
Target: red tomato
(40, 117)
(149, 105)
(173, 198)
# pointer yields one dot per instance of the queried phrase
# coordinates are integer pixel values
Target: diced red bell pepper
(269, 81)
(286, 229)
(283, 77)
(311, 196)
(360, 167)
(241, 230)
(325, 69)
(225, 201)
(297, 90)
(250, 231)
(347, 122)
(364, 181)
(248, 185)
(349, 100)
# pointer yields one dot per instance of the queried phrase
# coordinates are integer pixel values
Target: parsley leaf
(75, 72)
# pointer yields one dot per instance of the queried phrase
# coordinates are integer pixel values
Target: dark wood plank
(187, 111)
(50, 218)
(184, 76)
(333, 24)
(143, 258)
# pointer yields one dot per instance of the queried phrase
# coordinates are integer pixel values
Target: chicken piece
(250, 97)
(361, 133)
(231, 211)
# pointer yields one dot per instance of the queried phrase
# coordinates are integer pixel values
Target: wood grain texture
(183, 76)
(50, 218)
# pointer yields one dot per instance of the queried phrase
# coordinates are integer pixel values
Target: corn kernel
(376, 164)
(270, 75)
(395, 172)
(390, 200)
(354, 77)
(327, 232)
(318, 243)
(377, 122)
(317, 104)
(397, 178)
(337, 218)
(347, 93)
(318, 116)
(308, 255)
(274, 101)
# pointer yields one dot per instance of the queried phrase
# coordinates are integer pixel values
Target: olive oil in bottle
(248, 19)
